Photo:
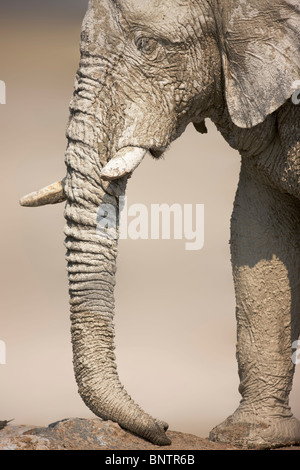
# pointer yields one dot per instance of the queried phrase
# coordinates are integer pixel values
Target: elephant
(147, 70)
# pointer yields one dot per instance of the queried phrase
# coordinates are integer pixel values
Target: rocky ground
(94, 434)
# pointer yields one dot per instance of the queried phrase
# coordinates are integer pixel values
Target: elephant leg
(265, 250)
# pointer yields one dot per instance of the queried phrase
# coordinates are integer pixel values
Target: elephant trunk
(94, 180)
(91, 258)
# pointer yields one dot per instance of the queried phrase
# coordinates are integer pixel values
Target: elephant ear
(260, 48)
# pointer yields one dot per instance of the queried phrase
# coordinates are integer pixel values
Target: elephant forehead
(145, 5)
(160, 13)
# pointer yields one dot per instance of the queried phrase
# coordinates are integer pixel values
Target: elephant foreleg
(265, 249)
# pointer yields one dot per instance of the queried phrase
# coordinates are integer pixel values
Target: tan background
(175, 320)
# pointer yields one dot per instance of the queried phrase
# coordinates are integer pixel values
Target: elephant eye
(146, 45)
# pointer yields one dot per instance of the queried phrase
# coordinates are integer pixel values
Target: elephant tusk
(123, 163)
(52, 194)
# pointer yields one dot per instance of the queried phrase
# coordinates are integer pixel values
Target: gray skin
(149, 68)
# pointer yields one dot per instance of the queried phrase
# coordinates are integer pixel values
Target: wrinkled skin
(148, 69)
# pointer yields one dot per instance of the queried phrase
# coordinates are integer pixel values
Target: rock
(94, 434)
(91, 434)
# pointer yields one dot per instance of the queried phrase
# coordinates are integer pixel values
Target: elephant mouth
(126, 160)
(157, 153)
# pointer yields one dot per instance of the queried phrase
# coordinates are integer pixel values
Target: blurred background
(175, 309)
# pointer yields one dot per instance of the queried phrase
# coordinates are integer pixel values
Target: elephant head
(147, 70)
